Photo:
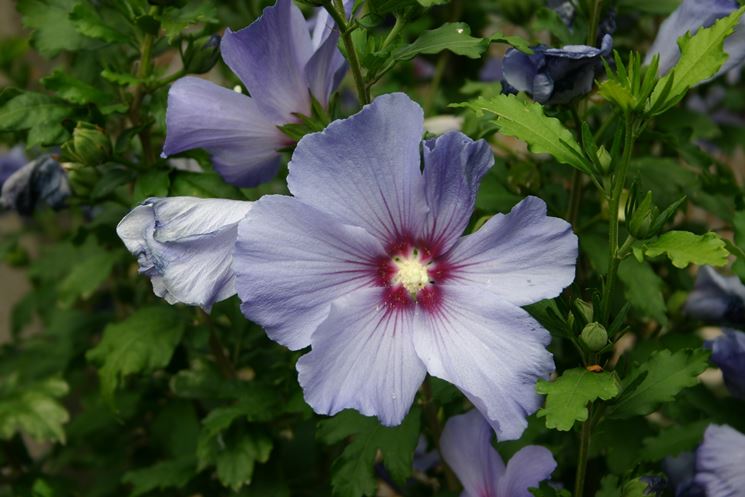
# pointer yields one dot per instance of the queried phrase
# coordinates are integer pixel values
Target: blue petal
(11, 162)
(242, 140)
(325, 69)
(41, 181)
(185, 245)
(717, 299)
(527, 469)
(728, 352)
(720, 461)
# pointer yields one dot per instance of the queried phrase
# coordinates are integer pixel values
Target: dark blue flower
(680, 470)
(720, 462)
(728, 352)
(41, 181)
(283, 65)
(555, 75)
(11, 162)
(717, 299)
(689, 17)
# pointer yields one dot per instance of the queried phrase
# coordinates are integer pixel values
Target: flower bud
(584, 308)
(202, 55)
(594, 336)
(643, 218)
(89, 146)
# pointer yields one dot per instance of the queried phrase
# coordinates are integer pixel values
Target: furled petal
(41, 181)
(269, 56)
(292, 261)
(688, 17)
(453, 167)
(716, 298)
(363, 358)
(325, 69)
(466, 447)
(491, 350)
(322, 24)
(720, 461)
(11, 162)
(242, 141)
(185, 245)
(522, 257)
(364, 170)
(527, 469)
(519, 69)
(728, 352)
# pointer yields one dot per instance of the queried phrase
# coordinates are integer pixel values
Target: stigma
(411, 272)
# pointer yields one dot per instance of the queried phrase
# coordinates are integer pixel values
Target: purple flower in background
(689, 17)
(466, 447)
(185, 245)
(366, 264)
(283, 67)
(681, 470)
(720, 462)
(728, 352)
(11, 162)
(717, 299)
(41, 181)
(555, 75)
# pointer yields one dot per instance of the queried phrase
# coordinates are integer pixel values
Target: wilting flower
(41, 181)
(466, 447)
(728, 352)
(720, 461)
(11, 162)
(185, 246)
(717, 299)
(555, 75)
(366, 265)
(282, 67)
(690, 16)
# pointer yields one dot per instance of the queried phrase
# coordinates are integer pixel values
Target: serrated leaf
(41, 114)
(453, 36)
(673, 441)
(53, 31)
(353, 469)
(205, 185)
(174, 473)
(568, 395)
(643, 289)
(86, 276)
(89, 22)
(78, 92)
(701, 56)
(142, 343)
(33, 408)
(684, 247)
(525, 120)
(175, 19)
(154, 183)
(658, 380)
(235, 464)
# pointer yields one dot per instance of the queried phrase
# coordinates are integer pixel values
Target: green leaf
(545, 489)
(431, 3)
(643, 289)
(53, 31)
(453, 36)
(78, 92)
(87, 275)
(142, 343)
(121, 78)
(525, 120)
(41, 114)
(234, 456)
(206, 185)
(567, 396)
(658, 380)
(153, 183)
(684, 247)
(353, 469)
(175, 19)
(33, 408)
(673, 441)
(174, 473)
(89, 22)
(701, 56)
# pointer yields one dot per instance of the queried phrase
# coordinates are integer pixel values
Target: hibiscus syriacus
(728, 352)
(717, 299)
(466, 447)
(366, 265)
(283, 68)
(720, 460)
(185, 246)
(689, 17)
(43, 181)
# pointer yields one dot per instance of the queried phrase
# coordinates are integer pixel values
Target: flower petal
(728, 352)
(720, 461)
(243, 143)
(41, 181)
(269, 56)
(522, 257)
(527, 469)
(519, 69)
(185, 245)
(292, 261)
(325, 69)
(466, 447)
(494, 352)
(453, 167)
(11, 162)
(362, 357)
(717, 298)
(364, 170)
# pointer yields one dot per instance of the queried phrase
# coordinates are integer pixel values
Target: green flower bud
(202, 55)
(89, 145)
(594, 336)
(584, 308)
(643, 218)
(82, 179)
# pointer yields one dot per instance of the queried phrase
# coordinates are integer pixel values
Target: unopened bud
(89, 145)
(594, 336)
(643, 218)
(202, 55)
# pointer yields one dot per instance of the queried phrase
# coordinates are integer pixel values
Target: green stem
(594, 20)
(397, 27)
(435, 429)
(338, 14)
(619, 182)
(575, 199)
(584, 446)
(144, 69)
(167, 80)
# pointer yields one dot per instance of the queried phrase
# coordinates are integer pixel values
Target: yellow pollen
(411, 273)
